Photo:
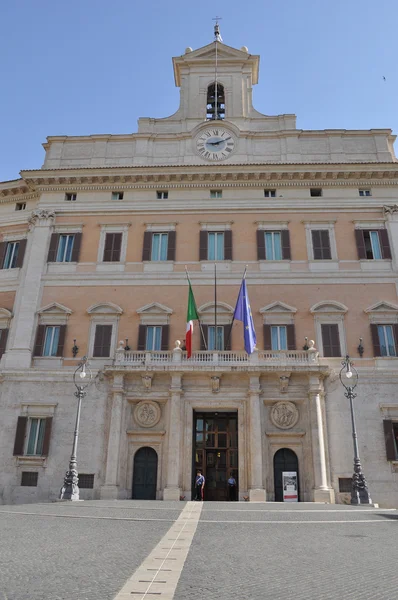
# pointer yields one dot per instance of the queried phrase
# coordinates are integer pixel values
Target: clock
(215, 143)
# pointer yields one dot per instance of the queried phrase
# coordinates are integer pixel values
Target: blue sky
(83, 66)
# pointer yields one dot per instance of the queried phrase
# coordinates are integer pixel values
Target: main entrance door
(145, 474)
(284, 460)
(215, 451)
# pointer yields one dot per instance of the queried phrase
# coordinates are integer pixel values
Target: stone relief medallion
(147, 413)
(284, 415)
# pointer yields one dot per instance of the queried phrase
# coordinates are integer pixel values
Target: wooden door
(145, 474)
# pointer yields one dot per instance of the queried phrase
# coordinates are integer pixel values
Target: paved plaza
(102, 550)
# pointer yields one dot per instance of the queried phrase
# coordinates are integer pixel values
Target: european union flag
(243, 313)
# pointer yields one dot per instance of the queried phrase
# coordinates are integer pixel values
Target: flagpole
(233, 318)
(199, 321)
(215, 307)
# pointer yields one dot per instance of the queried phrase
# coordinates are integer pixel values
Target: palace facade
(93, 253)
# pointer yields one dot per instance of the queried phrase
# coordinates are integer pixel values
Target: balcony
(177, 360)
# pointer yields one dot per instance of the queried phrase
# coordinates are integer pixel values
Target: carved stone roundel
(284, 415)
(147, 413)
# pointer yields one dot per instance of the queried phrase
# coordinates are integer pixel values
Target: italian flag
(192, 315)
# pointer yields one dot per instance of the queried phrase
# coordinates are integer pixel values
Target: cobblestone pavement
(88, 550)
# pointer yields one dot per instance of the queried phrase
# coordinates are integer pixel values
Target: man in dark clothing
(231, 488)
(199, 486)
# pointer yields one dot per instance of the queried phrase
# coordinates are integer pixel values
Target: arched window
(212, 113)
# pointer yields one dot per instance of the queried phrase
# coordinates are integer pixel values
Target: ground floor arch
(145, 471)
(285, 459)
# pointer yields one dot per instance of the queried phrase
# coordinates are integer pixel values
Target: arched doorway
(145, 472)
(284, 460)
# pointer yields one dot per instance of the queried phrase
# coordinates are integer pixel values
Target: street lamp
(81, 378)
(349, 379)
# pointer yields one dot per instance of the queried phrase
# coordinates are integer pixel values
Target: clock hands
(219, 142)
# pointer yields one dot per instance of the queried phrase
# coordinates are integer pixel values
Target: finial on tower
(217, 34)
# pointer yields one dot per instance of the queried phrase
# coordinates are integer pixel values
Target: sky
(84, 67)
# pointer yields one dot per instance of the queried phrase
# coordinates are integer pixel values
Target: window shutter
(3, 247)
(203, 245)
(395, 330)
(102, 341)
(316, 244)
(384, 243)
(47, 435)
(260, 244)
(3, 341)
(39, 343)
(331, 340)
(76, 247)
(146, 249)
(52, 251)
(286, 252)
(291, 337)
(267, 337)
(335, 338)
(165, 337)
(228, 244)
(325, 244)
(360, 240)
(109, 247)
(21, 253)
(205, 329)
(141, 335)
(117, 247)
(61, 340)
(375, 340)
(389, 439)
(20, 436)
(171, 246)
(227, 337)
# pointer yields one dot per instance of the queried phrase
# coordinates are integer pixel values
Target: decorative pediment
(278, 307)
(155, 308)
(105, 308)
(382, 307)
(55, 309)
(328, 306)
(224, 313)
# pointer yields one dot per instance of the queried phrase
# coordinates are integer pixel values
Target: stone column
(322, 489)
(391, 214)
(172, 490)
(111, 488)
(256, 488)
(19, 353)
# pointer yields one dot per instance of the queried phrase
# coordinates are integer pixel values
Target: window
(159, 246)
(32, 436)
(278, 337)
(384, 342)
(215, 193)
(345, 484)
(70, 197)
(211, 335)
(20, 206)
(65, 247)
(273, 245)
(162, 195)
(215, 107)
(35, 437)
(321, 244)
(365, 192)
(215, 248)
(391, 438)
(3, 340)
(269, 193)
(315, 192)
(330, 339)
(112, 248)
(86, 481)
(11, 256)
(372, 244)
(29, 478)
(50, 340)
(153, 337)
(102, 341)
(117, 195)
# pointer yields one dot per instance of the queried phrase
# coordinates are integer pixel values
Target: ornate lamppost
(81, 378)
(349, 379)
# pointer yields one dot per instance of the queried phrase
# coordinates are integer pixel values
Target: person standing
(231, 488)
(199, 486)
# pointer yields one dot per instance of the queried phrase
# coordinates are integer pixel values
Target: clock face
(215, 143)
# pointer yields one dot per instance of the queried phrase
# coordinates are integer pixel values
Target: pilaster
(19, 353)
(172, 490)
(111, 488)
(391, 214)
(256, 488)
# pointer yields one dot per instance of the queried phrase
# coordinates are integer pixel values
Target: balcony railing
(177, 357)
